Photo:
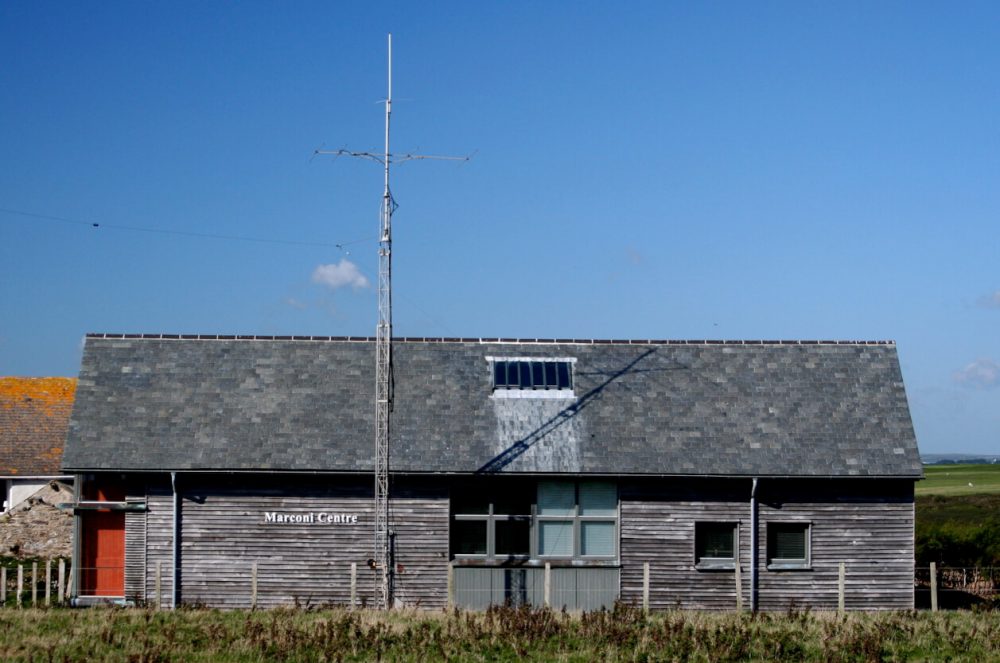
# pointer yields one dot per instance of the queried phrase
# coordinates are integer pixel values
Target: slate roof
(732, 408)
(34, 416)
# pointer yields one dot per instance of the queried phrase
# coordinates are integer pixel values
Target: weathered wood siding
(657, 526)
(870, 529)
(223, 533)
(135, 552)
(868, 525)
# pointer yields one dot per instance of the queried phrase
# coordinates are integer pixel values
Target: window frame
(533, 366)
(577, 520)
(788, 563)
(705, 563)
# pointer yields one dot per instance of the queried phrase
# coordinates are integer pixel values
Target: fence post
(934, 598)
(69, 582)
(451, 586)
(354, 584)
(60, 590)
(739, 588)
(20, 583)
(34, 584)
(159, 584)
(645, 586)
(48, 582)
(3, 586)
(841, 587)
(253, 586)
(547, 585)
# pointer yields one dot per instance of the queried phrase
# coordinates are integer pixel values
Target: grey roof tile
(728, 408)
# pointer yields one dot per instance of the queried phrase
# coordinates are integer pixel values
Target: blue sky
(642, 170)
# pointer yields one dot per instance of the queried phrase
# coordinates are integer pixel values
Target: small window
(788, 545)
(532, 374)
(715, 545)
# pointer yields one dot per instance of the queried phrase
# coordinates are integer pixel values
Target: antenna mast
(383, 353)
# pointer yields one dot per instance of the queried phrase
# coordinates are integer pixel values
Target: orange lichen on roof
(34, 418)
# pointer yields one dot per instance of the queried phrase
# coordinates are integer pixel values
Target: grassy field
(960, 480)
(500, 634)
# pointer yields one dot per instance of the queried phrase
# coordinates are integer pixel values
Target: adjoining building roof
(34, 417)
(723, 408)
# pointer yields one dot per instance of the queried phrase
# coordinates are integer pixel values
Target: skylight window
(532, 374)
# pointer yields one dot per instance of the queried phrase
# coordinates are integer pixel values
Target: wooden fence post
(3, 586)
(451, 586)
(20, 583)
(34, 584)
(253, 586)
(69, 582)
(354, 585)
(645, 586)
(739, 587)
(841, 582)
(159, 584)
(934, 588)
(48, 582)
(60, 590)
(547, 585)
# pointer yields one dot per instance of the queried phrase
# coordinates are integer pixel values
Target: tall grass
(498, 634)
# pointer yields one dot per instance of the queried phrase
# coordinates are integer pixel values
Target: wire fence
(34, 583)
(956, 587)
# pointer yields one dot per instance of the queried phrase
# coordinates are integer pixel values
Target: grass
(950, 480)
(499, 634)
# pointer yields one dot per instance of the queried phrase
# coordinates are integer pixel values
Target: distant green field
(960, 480)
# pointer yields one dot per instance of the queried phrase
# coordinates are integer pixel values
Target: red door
(102, 572)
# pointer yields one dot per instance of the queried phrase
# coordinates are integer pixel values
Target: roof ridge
(483, 340)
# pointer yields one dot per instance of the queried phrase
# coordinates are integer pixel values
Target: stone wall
(36, 528)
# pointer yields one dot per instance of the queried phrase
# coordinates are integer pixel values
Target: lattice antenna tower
(383, 352)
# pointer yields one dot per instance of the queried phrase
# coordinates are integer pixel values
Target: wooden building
(237, 471)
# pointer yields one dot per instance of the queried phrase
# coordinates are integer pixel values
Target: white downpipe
(753, 546)
(175, 543)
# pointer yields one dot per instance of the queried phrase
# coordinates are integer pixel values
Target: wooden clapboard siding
(657, 526)
(871, 532)
(159, 542)
(223, 534)
(135, 552)
(868, 525)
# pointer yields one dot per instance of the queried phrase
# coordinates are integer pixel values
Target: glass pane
(499, 374)
(715, 540)
(515, 503)
(563, 368)
(512, 537)
(597, 538)
(538, 374)
(550, 375)
(525, 370)
(468, 537)
(555, 537)
(787, 541)
(465, 501)
(556, 498)
(598, 498)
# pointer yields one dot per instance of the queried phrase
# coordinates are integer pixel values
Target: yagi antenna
(382, 562)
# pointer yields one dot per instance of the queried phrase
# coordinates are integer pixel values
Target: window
(501, 520)
(788, 545)
(532, 374)
(577, 519)
(491, 528)
(715, 545)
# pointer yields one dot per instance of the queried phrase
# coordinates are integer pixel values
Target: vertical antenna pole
(383, 557)
(383, 378)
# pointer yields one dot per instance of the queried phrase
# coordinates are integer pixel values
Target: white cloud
(339, 275)
(295, 303)
(980, 374)
(990, 301)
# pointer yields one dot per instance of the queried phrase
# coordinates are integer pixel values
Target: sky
(722, 170)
